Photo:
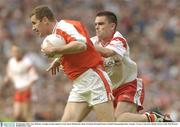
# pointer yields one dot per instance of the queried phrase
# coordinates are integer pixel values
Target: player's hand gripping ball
(55, 41)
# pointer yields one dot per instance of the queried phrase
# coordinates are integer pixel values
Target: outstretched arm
(6, 80)
(7, 77)
(105, 52)
(54, 66)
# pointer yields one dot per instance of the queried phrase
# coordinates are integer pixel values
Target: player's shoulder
(68, 23)
(27, 59)
(117, 34)
(11, 60)
(71, 21)
(118, 37)
(94, 39)
(68, 26)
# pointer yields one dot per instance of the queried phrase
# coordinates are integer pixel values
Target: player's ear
(113, 26)
(45, 20)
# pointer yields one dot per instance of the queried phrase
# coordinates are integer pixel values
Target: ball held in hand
(55, 40)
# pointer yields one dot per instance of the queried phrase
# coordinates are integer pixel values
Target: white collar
(53, 31)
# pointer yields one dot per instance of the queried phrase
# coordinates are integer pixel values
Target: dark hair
(42, 11)
(109, 15)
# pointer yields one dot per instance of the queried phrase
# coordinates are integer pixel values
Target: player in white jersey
(128, 90)
(21, 72)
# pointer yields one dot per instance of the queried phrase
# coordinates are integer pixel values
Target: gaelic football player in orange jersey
(81, 63)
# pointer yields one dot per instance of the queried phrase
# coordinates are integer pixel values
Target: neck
(105, 41)
(52, 26)
(19, 58)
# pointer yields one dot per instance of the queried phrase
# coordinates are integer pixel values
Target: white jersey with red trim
(120, 72)
(19, 72)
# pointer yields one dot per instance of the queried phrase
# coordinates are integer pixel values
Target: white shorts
(93, 86)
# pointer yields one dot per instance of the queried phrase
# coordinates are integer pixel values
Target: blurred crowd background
(152, 28)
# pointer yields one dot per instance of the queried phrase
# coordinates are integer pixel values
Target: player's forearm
(7, 77)
(72, 48)
(6, 80)
(105, 52)
(33, 75)
(32, 81)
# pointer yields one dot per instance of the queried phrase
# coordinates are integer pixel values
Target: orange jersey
(76, 64)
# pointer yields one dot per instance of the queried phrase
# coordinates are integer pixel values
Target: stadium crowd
(152, 28)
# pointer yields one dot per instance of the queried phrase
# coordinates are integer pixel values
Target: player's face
(104, 29)
(39, 26)
(17, 53)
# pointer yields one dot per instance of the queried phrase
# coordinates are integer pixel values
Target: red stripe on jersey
(106, 84)
(122, 40)
(79, 27)
(66, 36)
